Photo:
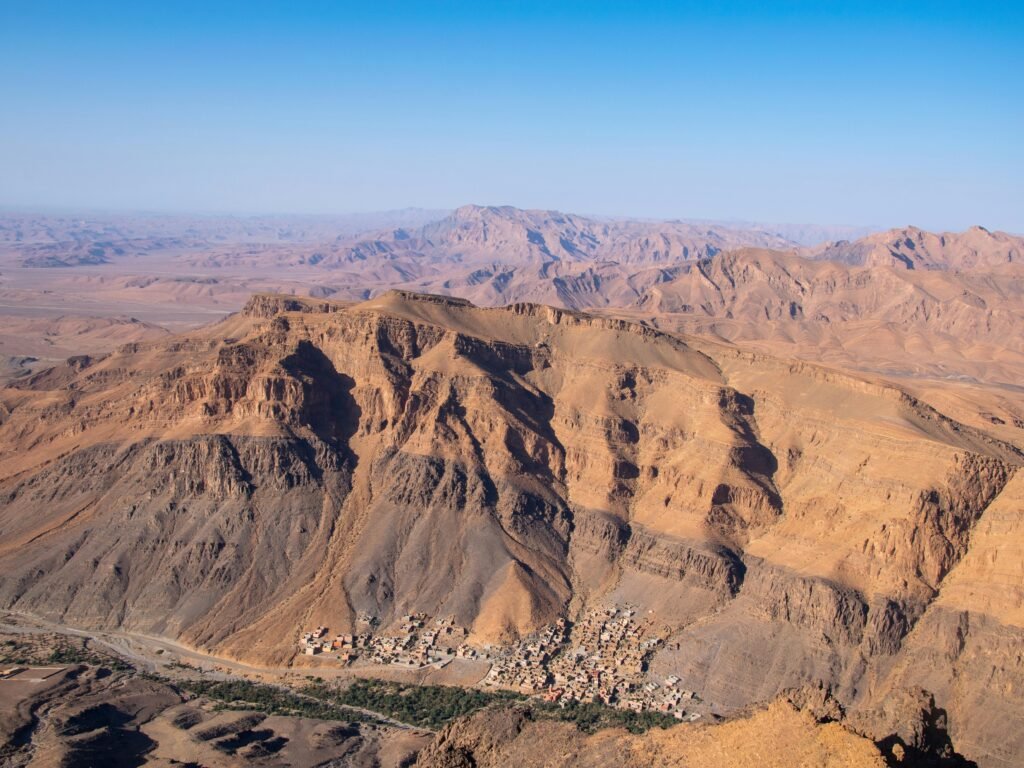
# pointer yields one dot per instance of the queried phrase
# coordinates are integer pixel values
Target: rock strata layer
(305, 462)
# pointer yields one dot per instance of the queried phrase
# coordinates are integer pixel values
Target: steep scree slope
(305, 461)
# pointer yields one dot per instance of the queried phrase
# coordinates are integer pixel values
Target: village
(601, 658)
(421, 643)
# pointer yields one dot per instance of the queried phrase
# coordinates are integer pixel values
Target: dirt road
(159, 656)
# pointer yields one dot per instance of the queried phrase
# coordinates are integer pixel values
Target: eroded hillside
(305, 462)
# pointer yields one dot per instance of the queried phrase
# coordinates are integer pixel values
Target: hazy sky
(824, 112)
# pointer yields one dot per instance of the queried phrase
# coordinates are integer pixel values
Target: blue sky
(829, 112)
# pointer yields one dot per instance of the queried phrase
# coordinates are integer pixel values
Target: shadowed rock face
(306, 461)
(88, 718)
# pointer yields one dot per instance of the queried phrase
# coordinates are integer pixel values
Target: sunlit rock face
(305, 462)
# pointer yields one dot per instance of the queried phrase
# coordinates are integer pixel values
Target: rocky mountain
(94, 238)
(935, 323)
(482, 234)
(931, 328)
(913, 248)
(306, 461)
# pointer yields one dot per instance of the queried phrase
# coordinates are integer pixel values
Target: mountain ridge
(914, 248)
(308, 461)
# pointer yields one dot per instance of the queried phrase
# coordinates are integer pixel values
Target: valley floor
(78, 698)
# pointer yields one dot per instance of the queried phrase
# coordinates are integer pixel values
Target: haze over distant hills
(913, 248)
(903, 301)
(75, 239)
(803, 459)
(940, 308)
(683, 428)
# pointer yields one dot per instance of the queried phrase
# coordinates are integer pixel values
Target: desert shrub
(591, 717)
(426, 706)
(270, 699)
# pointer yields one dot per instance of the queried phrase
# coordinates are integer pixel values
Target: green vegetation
(426, 706)
(594, 717)
(13, 652)
(57, 650)
(243, 694)
(184, 665)
(69, 654)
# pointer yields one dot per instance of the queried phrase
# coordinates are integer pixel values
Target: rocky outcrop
(271, 305)
(779, 735)
(827, 610)
(307, 462)
(714, 569)
(182, 538)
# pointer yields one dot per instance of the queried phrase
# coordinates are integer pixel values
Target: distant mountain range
(91, 238)
(913, 248)
(903, 301)
(413, 241)
(476, 235)
(805, 462)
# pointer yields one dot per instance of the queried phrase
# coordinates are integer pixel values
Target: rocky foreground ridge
(304, 462)
(778, 736)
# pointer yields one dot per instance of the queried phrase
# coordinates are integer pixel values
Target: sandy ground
(160, 655)
(85, 715)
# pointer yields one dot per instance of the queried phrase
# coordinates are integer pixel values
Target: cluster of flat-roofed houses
(416, 645)
(603, 658)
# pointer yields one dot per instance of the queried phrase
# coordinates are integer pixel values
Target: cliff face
(777, 736)
(186, 537)
(940, 323)
(304, 462)
(965, 649)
